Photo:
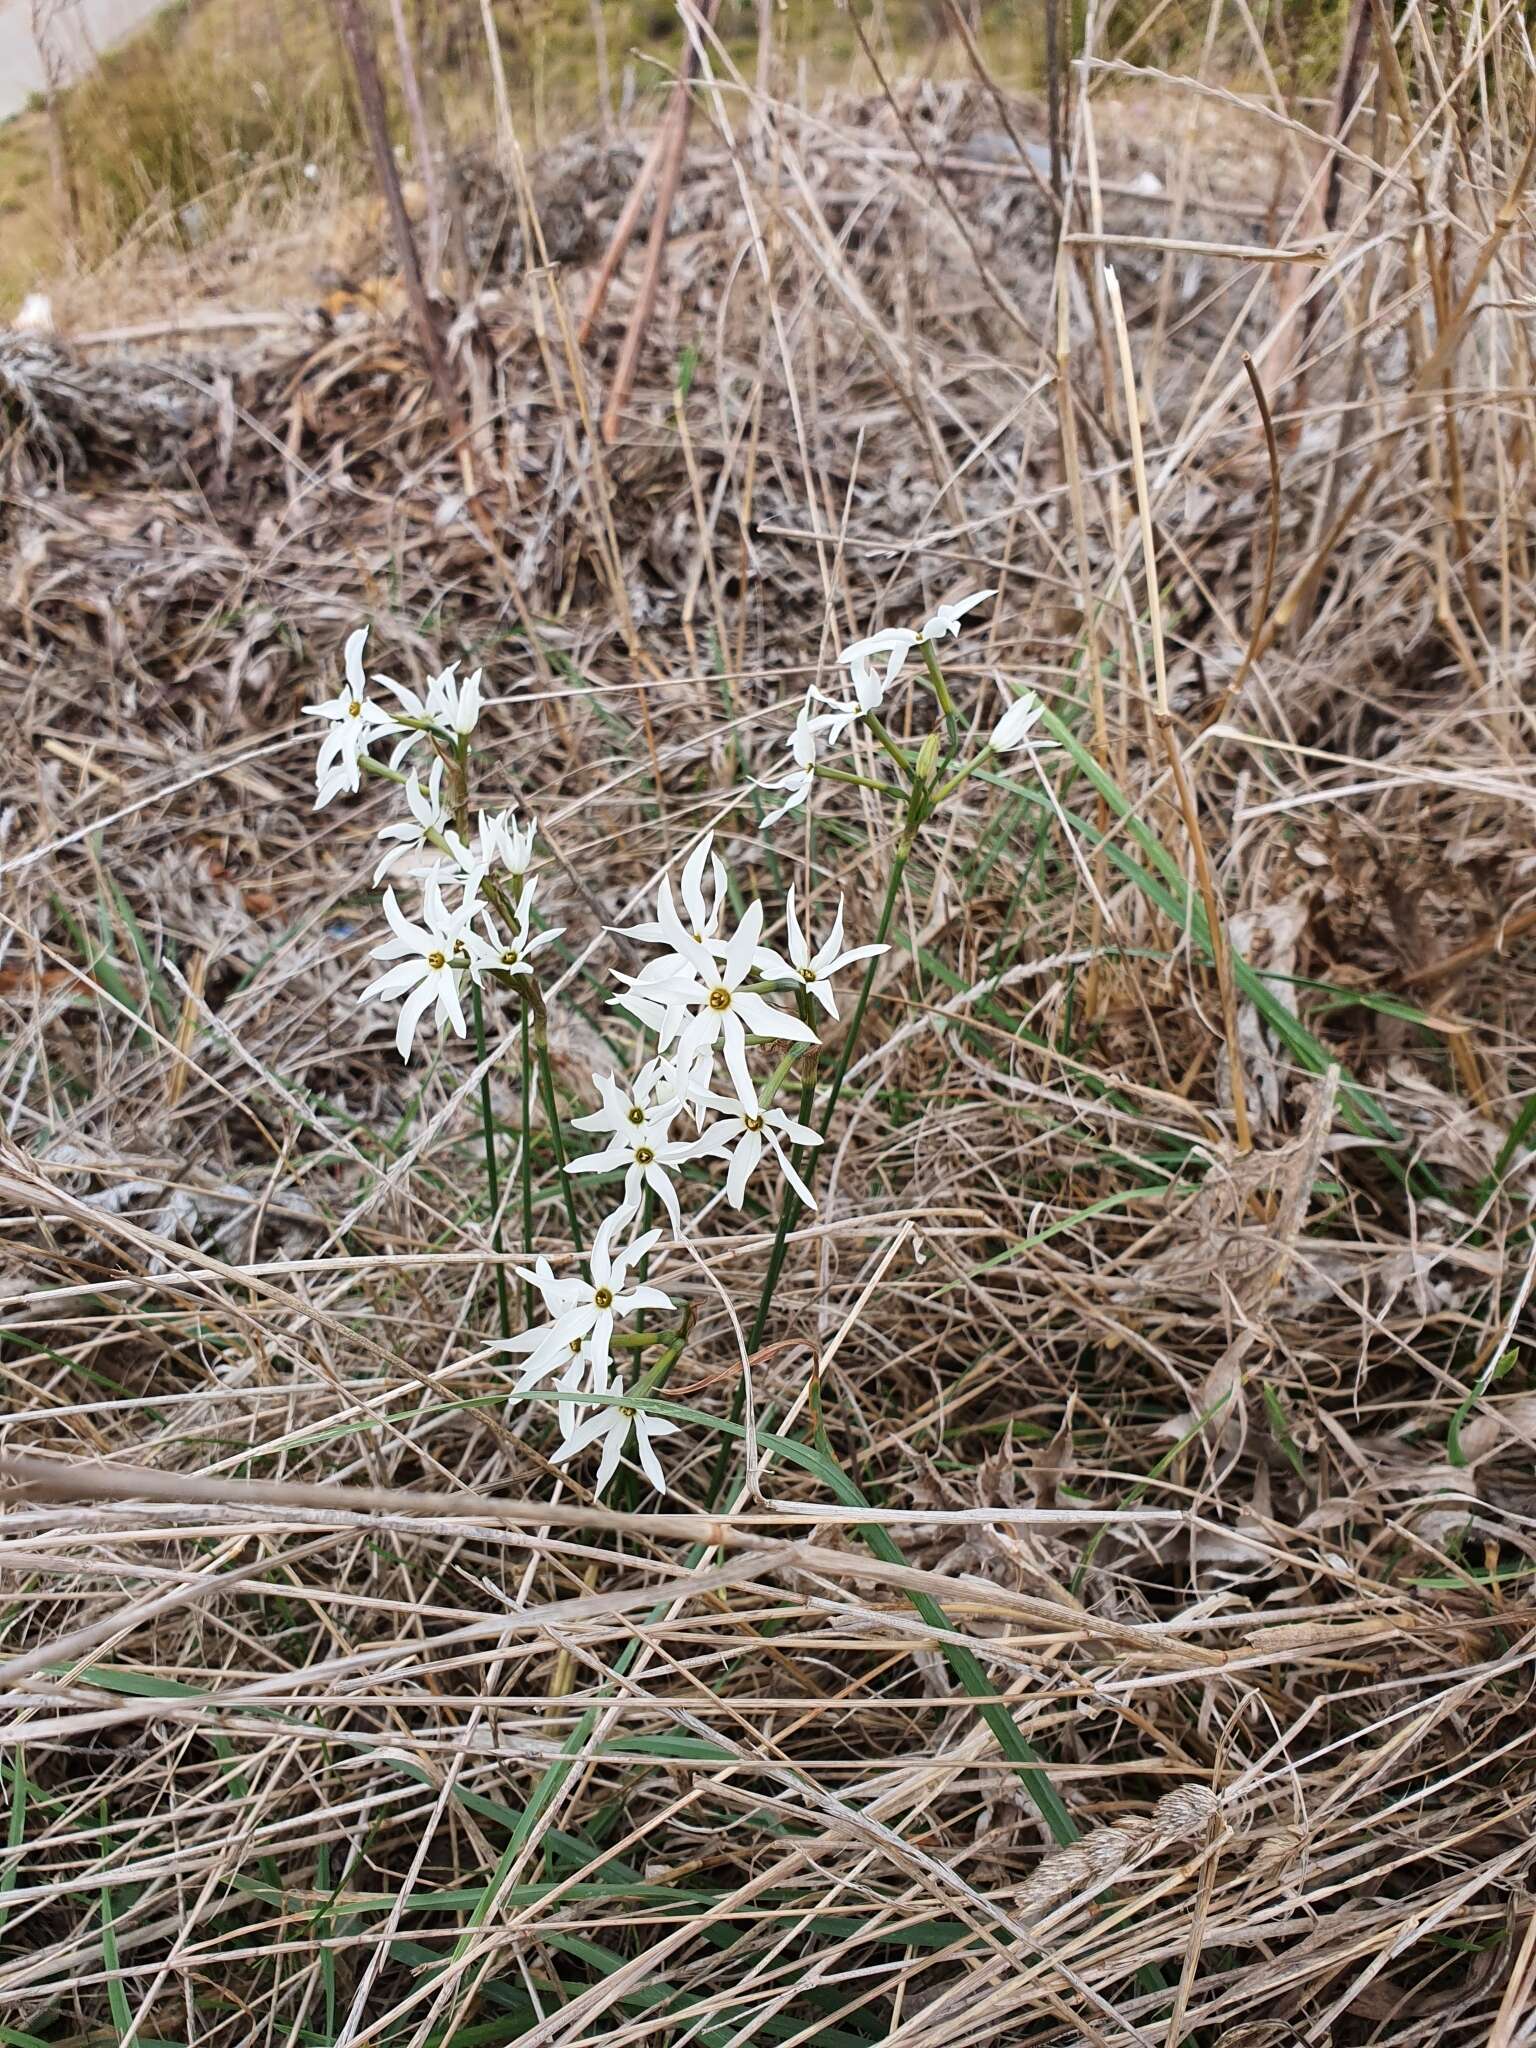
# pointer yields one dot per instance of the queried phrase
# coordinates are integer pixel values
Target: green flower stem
(768, 1093)
(802, 1157)
(557, 1137)
(855, 1023)
(858, 781)
(790, 1212)
(980, 761)
(897, 753)
(526, 1162)
(654, 1377)
(941, 691)
(492, 1178)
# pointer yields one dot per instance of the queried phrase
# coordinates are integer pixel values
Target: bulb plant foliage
(729, 1016)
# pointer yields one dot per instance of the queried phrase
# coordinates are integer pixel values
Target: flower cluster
(488, 930)
(730, 1008)
(720, 1002)
(875, 665)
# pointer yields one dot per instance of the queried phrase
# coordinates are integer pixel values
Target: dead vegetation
(1199, 1478)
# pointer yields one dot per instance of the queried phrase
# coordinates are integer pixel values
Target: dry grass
(1099, 1469)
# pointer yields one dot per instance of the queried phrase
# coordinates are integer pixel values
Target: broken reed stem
(1271, 552)
(1163, 719)
(622, 236)
(1072, 473)
(670, 171)
(357, 35)
(421, 140)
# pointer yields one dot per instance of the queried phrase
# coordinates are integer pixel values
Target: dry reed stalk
(1163, 716)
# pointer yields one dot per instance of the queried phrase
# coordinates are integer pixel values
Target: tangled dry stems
(1179, 1436)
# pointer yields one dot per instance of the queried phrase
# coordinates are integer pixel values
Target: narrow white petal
(650, 1464)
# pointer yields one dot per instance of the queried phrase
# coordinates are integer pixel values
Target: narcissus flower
(653, 1092)
(502, 845)
(514, 952)
(814, 971)
(1012, 730)
(452, 704)
(354, 725)
(647, 1155)
(948, 616)
(895, 643)
(585, 1309)
(743, 1133)
(432, 958)
(702, 904)
(611, 1426)
(711, 987)
(411, 835)
(453, 707)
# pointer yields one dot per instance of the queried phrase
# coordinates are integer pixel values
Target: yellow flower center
(635, 1113)
(576, 1344)
(644, 1156)
(354, 709)
(752, 1123)
(719, 999)
(509, 958)
(436, 961)
(807, 974)
(603, 1298)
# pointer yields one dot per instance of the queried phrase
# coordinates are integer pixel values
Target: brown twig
(669, 171)
(357, 34)
(624, 230)
(1494, 940)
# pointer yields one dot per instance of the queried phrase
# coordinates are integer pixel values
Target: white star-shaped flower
(504, 846)
(743, 1133)
(431, 957)
(452, 704)
(453, 707)
(611, 1427)
(811, 731)
(1012, 730)
(701, 906)
(427, 816)
(869, 688)
(647, 1155)
(652, 1093)
(814, 971)
(354, 725)
(514, 952)
(584, 1309)
(794, 787)
(711, 987)
(948, 616)
(578, 1377)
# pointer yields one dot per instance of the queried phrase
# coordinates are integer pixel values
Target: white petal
(410, 1016)
(353, 657)
(650, 1464)
(613, 1448)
